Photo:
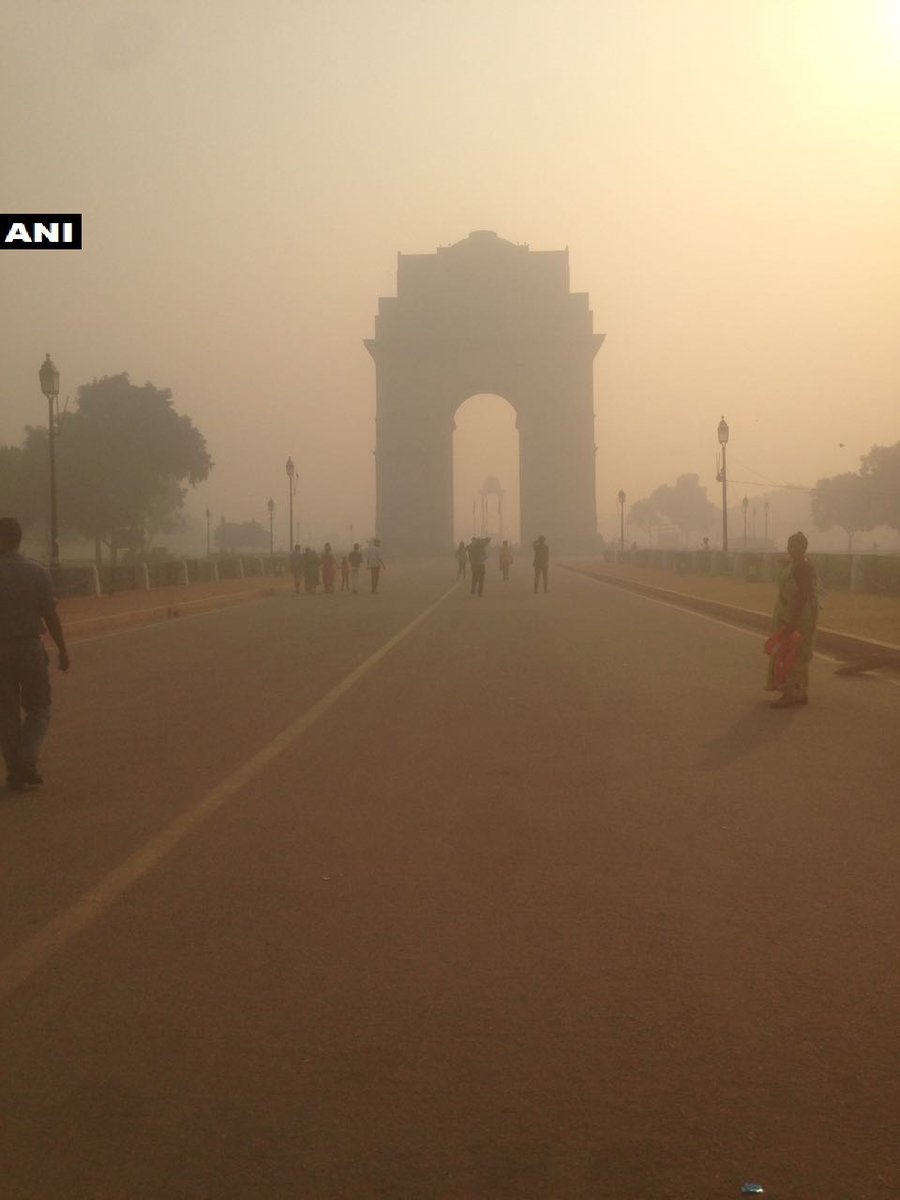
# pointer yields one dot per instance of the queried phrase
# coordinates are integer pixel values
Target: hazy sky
(725, 173)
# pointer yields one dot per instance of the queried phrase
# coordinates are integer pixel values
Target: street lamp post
(766, 516)
(745, 504)
(49, 377)
(723, 442)
(208, 539)
(290, 471)
(271, 507)
(621, 521)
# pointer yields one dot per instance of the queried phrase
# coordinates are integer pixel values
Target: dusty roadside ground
(88, 616)
(867, 616)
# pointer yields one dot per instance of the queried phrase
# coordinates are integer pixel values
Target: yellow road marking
(18, 966)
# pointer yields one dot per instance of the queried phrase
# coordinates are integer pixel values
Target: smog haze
(724, 175)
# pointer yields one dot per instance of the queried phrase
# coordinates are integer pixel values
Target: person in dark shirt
(329, 565)
(356, 560)
(27, 606)
(477, 552)
(310, 569)
(541, 561)
(296, 560)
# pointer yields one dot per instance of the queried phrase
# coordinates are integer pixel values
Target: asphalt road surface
(426, 896)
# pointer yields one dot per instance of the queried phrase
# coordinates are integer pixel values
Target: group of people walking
(28, 608)
(314, 569)
(472, 558)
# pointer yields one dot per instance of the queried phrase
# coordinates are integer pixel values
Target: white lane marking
(18, 966)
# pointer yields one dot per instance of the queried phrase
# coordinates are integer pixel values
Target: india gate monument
(484, 316)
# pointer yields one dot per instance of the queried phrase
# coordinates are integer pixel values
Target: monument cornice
(403, 344)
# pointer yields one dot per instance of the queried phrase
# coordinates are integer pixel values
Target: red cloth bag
(782, 647)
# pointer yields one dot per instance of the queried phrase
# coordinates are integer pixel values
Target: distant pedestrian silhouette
(505, 560)
(356, 559)
(296, 566)
(461, 560)
(329, 566)
(310, 569)
(541, 561)
(477, 552)
(374, 562)
(345, 573)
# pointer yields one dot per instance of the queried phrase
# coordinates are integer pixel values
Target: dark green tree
(685, 504)
(12, 499)
(881, 466)
(231, 536)
(848, 501)
(645, 516)
(122, 457)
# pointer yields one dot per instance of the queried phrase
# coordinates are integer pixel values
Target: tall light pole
(745, 504)
(49, 377)
(621, 521)
(271, 507)
(290, 472)
(723, 475)
(766, 515)
(208, 540)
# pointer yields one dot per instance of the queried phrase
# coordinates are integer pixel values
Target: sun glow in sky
(725, 175)
(890, 20)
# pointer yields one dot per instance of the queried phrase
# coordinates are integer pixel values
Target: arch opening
(486, 454)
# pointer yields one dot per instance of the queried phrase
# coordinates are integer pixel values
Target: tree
(12, 499)
(164, 513)
(645, 516)
(882, 467)
(685, 505)
(848, 501)
(230, 536)
(121, 458)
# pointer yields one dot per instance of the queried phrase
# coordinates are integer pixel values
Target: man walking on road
(541, 561)
(374, 562)
(26, 606)
(477, 551)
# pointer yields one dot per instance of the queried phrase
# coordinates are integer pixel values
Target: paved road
(542, 902)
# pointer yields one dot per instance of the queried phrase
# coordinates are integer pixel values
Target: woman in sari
(794, 626)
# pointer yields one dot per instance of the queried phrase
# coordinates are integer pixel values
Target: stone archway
(484, 316)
